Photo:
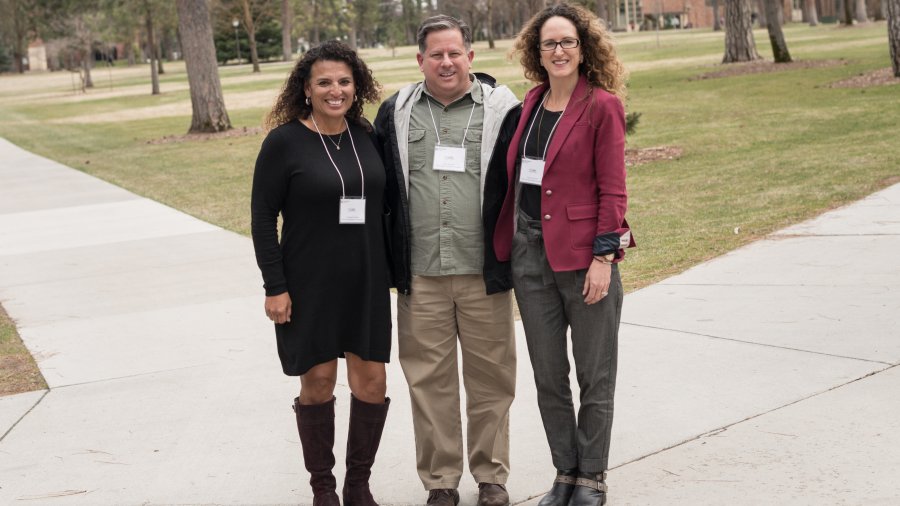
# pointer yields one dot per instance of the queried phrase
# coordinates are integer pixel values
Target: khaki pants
(438, 311)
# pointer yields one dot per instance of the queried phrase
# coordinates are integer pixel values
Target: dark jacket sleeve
(497, 274)
(270, 184)
(384, 133)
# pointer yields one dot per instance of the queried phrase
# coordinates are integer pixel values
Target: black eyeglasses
(550, 45)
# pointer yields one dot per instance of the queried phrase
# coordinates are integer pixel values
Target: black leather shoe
(562, 488)
(492, 494)
(590, 490)
(443, 497)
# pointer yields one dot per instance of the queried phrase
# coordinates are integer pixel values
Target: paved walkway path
(766, 376)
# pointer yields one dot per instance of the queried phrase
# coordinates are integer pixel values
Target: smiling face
(560, 63)
(446, 64)
(331, 90)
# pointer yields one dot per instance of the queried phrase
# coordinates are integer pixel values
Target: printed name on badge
(353, 211)
(450, 158)
(532, 171)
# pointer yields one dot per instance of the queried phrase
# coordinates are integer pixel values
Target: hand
(278, 308)
(596, 282)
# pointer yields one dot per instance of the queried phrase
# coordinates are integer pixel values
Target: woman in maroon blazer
(563, 226)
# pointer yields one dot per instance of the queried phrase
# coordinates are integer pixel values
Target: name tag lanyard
(352, 209)
(450, 158)
(532, 170)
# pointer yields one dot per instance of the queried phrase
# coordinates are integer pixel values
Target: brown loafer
(492, 494)
(443, 497)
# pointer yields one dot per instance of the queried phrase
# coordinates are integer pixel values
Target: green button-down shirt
(445, 207)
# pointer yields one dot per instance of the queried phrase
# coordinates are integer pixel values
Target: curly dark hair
(291, 103)
(601, 66)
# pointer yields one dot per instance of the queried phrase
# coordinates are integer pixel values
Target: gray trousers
(550, 304)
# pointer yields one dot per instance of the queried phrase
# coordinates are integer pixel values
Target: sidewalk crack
(724, 428)
(13, 426)
(743, 341)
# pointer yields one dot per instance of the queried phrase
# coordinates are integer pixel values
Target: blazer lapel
(532, 98)
(576, 106)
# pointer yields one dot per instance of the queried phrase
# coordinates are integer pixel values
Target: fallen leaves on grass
(18, 374)
(880, 77)
(227, 134)
(635, 157)
(763, 66)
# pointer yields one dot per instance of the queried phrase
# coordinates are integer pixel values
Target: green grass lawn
(760, 151)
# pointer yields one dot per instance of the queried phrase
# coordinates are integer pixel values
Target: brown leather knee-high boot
(315, 424)
(366, 426)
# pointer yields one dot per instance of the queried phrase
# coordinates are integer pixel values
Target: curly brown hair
(291, 103)
(601, 66)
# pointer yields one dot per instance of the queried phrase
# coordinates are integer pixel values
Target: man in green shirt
(441, 140)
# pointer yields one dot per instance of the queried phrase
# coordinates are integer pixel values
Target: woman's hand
(278, 307)
(596, 282)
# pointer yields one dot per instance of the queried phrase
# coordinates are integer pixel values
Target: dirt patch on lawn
(880, 77)
(763, 67)
(635, 157)
(18, 374)
(228, 134)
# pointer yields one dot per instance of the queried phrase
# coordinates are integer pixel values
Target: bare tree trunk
(86, 62)
(739, 43)
(287, 22)
(159, 53)
(490, 24)
(717, 26)
(135, 46)
(848, 12)
(761, 13)
(603, 11)
(207, 103)
(875, 10)
(776, 36)
(892, 12)
(151, 49)
(251, 33)
(812, 12)
(20, 36)
(315, 21)
(352, 26)
(861, 16)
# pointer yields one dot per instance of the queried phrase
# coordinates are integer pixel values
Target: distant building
(37, 55)
(679, 14)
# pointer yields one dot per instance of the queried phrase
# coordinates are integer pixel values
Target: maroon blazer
(583, 197)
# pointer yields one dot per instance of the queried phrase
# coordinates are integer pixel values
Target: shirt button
(444, 202)
(444, 223)
(445, 130)
(444, 178)
(549, 192)
(546, 216)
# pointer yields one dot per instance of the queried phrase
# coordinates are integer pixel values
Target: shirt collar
(475, 92)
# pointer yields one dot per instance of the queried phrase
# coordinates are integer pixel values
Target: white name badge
(353, 211)
(532, 171)
(450, 158)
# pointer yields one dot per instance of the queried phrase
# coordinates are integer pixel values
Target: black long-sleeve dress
(336, 274)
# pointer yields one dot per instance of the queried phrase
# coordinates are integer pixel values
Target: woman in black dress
(327, 279)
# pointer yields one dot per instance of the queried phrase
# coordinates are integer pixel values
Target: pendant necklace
(337, 145)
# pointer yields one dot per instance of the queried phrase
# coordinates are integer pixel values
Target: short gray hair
(443, 22)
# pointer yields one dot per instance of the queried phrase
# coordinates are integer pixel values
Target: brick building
(643, 14)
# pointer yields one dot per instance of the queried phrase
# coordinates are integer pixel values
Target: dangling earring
(307, 101)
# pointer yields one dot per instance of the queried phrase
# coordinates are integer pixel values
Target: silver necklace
(337, 145)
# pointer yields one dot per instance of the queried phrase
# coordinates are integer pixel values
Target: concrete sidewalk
(765, 376)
